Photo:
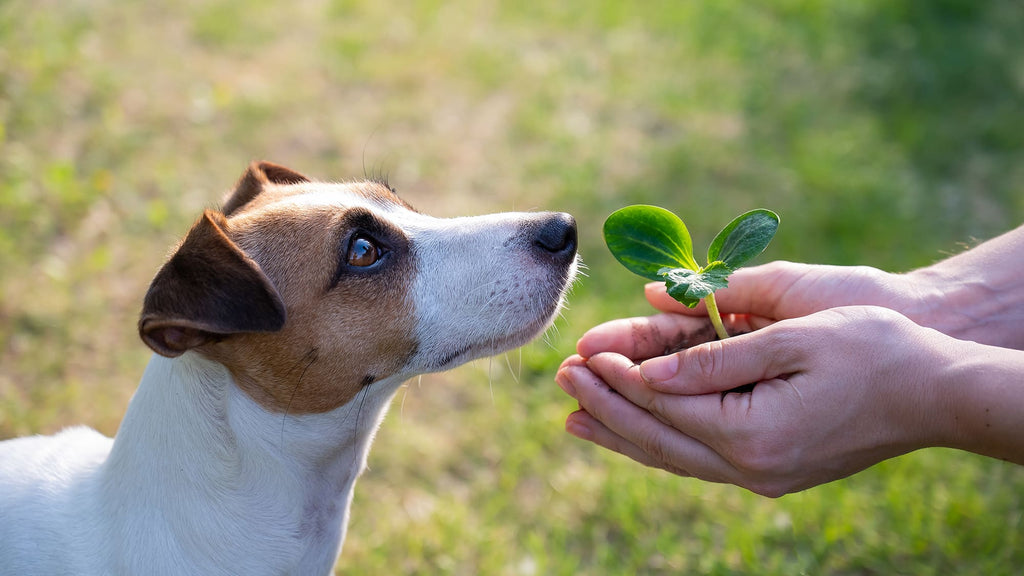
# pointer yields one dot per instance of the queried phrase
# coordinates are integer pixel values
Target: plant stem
(716, 319)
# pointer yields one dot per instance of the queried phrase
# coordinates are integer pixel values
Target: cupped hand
(836, 391)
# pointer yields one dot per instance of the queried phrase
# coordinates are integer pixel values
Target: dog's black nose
(556, 234)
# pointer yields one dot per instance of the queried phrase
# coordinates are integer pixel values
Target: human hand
(836, 391)
(780, 290)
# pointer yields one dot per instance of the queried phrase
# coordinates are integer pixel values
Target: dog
(282, 325)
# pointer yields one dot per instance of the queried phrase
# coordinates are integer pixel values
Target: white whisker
(490, 378)
(401, 407)
(508, 364)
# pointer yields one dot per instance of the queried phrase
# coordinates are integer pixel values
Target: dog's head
(309, 291)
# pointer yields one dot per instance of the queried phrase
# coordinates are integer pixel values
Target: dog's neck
(199, 468)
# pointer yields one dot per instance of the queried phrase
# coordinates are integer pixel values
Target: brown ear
(256, 176)
(208, 290)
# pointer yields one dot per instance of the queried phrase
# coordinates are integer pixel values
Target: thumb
(722, 365)
(757, 291)
(657, 296)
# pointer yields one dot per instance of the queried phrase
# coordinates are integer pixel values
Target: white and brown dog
(282, 326)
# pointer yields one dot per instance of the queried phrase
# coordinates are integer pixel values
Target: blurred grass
(886, 133)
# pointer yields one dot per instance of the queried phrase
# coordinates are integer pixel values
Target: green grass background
(885, 132)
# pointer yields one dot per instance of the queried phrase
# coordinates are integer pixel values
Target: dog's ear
(256, 176)
(208, 290)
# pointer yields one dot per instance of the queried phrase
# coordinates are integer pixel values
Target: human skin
(853, 366)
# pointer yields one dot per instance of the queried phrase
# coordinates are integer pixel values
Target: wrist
(979, 399)
(967, 306)
(975, 295)
(937, 300)
(921, 401)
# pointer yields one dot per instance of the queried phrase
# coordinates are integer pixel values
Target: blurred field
(885, 132)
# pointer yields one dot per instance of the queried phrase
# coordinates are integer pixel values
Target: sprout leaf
(744, 238)
(646, 239)
(690, 287)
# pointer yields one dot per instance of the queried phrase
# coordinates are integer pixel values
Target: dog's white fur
(209, 476)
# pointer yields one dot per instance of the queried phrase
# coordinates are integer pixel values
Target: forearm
(980, 396)
(977, 295)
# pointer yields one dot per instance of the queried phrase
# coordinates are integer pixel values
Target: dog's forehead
(367, 194)
(300, 202)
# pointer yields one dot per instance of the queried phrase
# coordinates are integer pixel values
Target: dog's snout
(556, 234)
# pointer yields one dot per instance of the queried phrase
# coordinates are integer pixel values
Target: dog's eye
(362, 252)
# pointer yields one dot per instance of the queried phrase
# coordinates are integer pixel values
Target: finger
(657, 295)
(623, 376)
(573, 360)
(563, 375)
(659, 441)
(642, 338)
(708, 418)
(584, 426)
(737, 324)
(757, 290)
(722, 365)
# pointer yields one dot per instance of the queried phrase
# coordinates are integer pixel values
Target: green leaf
(744, 238)
(646, 239)
(690, 287)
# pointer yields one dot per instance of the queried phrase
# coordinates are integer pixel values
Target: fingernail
(565, 383)
(660, 369)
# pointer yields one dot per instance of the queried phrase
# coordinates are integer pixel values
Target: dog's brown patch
(344, 328)
(343, 331)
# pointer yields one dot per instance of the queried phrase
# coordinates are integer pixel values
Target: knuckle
(652, 443)
(675, 469)
(871, 276)
(768, 489)
(759, 458)
(638, 337)
(753, 462)
(765, 469)
(709, 359)
(780, 267)
(658, 405)
(761, 472)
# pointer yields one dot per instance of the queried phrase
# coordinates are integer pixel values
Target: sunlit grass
(884, 133)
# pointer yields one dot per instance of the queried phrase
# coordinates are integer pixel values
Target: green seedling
(654, 243)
